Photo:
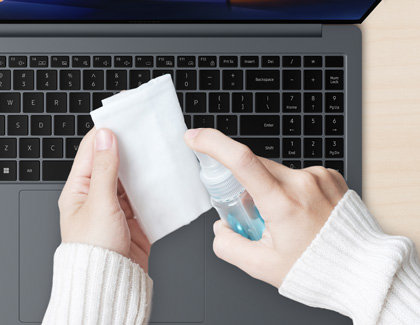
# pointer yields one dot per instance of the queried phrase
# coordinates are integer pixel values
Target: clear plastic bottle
(230, 199)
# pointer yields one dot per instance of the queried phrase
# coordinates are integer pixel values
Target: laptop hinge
(161, 30)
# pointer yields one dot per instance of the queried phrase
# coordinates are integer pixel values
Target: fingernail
(103, 140)
(192, 133)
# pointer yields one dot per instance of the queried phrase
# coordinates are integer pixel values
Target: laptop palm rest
(176, 264)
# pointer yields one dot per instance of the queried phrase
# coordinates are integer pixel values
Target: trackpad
(39, 236)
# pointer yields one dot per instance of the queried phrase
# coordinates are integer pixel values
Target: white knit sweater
(351, 267)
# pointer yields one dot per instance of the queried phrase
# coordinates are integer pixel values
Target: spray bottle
(230, 199)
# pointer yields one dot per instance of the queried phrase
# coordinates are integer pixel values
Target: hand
(94, 208)
(294, 204)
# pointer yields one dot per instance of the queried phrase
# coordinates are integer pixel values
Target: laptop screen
(177, 11)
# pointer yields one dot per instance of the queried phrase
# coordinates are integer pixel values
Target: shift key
(264, 147)
(260, 125)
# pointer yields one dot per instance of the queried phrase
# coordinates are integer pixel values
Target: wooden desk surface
(391, 116)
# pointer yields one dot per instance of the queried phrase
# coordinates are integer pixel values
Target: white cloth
(159, 172)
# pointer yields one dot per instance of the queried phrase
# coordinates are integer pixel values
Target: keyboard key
(334, 102)
(186, 61)
(9, 102)
(293, 164)
(57, 170)
(3, 62)
(334, 80)
(271, 61)
(38, 61)
(81, 61)
(338, 165)
(260, 125)
(313, 124)
(23, 80)
(72, 145)
(292, 102)
(313, 103)
(8, 171)
(98, 98)
(70, 80)
(8, 148)
(138, 77)
(203, 121)
(116, 80)
(2, 125)
(52, 148)
(292, 80)
(84, 124)
(233, 79)
(158, 73)
(292, 61)
(93, 80)
(60, 62)
(242, 102)
(5, 80)
(250, 61)
(46, 80)
(165, 61)
(262, 79)
(209, 79)
(123, 61)
(334, 61)
(186, 80)
(228, 124)
(56, 102)
(313, 80)
(195, 103)
(18, 61)
(17, 125)
(219, 103)
(144, 61)
(313, 61)
(334, 125)
(79, 102)
(102, 61)
(29, 171)
(292, 148)
(187, 119)
(292, 125)
(207, 61)
(311, 163)
(228, 61)
(267, 102)
(264, 147)
(312, 147)
(334, 147)
(29, 148)
(41, 125)
(64, 125)
(33, 102)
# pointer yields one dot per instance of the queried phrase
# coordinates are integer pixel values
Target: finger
(279, 171)
(126, 206)
(138, 236)
(235, 249)
(120, 188)
(246, 167)
(103, 184)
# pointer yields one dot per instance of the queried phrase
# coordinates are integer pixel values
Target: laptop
(283, 77)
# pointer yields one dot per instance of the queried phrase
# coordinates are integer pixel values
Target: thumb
(103, 182)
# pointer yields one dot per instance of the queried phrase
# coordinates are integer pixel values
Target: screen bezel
(323, 21)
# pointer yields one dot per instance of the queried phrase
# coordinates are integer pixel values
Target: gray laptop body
(191, 285)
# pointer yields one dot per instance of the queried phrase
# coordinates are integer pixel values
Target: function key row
(127, 61)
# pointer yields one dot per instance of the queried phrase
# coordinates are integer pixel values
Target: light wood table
(391, 116)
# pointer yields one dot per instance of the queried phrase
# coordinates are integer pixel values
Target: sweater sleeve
(92, 285)
(353, 268)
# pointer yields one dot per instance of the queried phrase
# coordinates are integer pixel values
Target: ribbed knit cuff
(92, 285)
(353, 268)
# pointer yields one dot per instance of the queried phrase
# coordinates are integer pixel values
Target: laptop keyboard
(287, 108)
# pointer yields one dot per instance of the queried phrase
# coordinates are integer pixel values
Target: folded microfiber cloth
(159, 172)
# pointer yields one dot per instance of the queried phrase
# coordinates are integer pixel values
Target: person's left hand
(94, 208)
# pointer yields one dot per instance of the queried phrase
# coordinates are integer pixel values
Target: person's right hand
(294, 204)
